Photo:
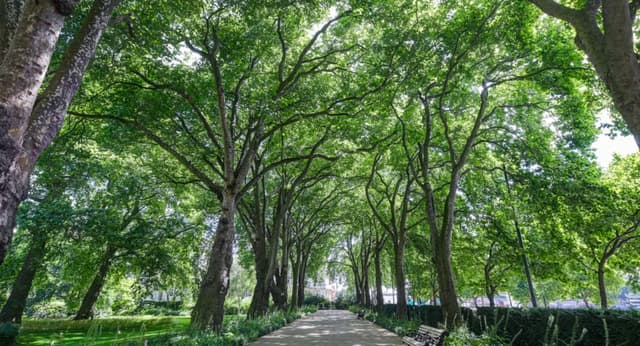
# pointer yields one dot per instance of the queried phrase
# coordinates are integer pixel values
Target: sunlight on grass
(109, 331)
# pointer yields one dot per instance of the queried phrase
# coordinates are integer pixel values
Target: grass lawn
(108, 331)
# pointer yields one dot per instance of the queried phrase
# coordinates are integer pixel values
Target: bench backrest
(431, 336)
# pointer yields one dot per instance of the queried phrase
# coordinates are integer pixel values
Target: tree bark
(208, 313)
(295, 280)
(602, 287)
(379, 293)
(365, 288)
(302, 283)
(609, 46)
(260, 300)
(401, 292)
(14, 307)
(26, 131)
(525, 260)
(446, 283)
(86, 310)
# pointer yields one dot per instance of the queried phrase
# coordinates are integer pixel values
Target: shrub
(315, 300)
(563, 326)
(48, 309)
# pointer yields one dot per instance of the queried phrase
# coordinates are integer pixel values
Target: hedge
(535, 326)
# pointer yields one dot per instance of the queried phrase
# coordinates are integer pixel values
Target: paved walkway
(330, 327)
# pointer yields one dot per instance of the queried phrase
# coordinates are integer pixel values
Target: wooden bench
(427, 336)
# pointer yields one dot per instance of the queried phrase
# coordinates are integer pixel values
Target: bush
(48, 309)
(565, 326)
(159, 308)
(535, 326)
(315, 300)
(343, 302)
(309, 309)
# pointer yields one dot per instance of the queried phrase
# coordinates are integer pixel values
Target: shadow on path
(330, 327)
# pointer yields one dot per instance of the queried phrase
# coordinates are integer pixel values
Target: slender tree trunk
(14, 307)
(601, 284)
(357, 285)
(365, 289)
(208, 313)
(489, 289)
(302, 283)
(525, 260)
(379, 293)
(86, 310)
(401, 294)
(294, 285)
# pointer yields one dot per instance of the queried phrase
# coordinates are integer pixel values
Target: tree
(605, 33)
(390, 200)
(257, 95)
(29, 32)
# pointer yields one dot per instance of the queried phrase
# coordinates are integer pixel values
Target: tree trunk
(294, 284)
(357, 285)
(14, 307)
(208, 312)
(401, 294)
(379, 293)
(86, 310)
(22, 71)
(601, 284)
(516, 224)
(301, 284)
(260, 300)
(365, 288)
(489, 289)
(446, 284)
(606, 37)
(24, 131)
(278, 295)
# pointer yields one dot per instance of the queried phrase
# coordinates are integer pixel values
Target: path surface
(330, 327)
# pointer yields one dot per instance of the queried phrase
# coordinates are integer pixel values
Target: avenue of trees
(243, 149)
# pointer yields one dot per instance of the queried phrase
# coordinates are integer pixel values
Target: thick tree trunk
(14, 307)
(601, 284)
(446, 284)
(401, 294)
(379, 293)
(22, 71)
(278, 295)
(260, 300)
(86, 310)
(208, 313)
(605, 34)
(9, 15)
(365, 289)
(24, 131)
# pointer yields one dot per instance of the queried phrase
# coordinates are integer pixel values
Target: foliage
(561, 326)
(316, 300)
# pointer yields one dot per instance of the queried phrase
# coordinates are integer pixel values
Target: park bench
(427, 336)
